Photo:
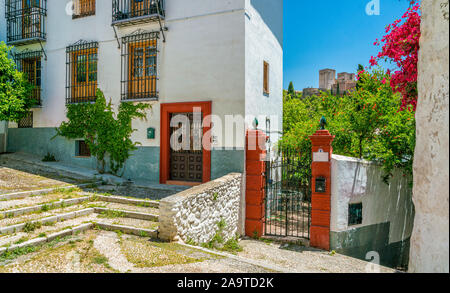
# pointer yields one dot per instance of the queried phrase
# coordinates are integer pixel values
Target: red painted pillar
(321, 197)
(255, 150)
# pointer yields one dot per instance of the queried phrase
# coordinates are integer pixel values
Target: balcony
(25, 21)
(131, 12)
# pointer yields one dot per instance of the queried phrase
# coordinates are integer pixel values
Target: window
(355, 214)
(137, 11)
(29, 62)
(27, 121)
(139, 66)
(266, 78)
(81, 72)
(82, 149)
(25, 21)
(83, 8)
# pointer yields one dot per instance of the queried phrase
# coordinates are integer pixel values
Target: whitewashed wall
(203, 58)
(2, 21)
(430, 238)
(264, 42)
(355, 181)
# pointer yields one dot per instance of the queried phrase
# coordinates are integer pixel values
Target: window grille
(29, 62)
(27, 121)
(81, 72)
(139, 66)
(137, 10)
(25, 21)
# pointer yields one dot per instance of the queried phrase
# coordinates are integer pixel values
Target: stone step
(128, 229)
(40, 207)
(129, 214)
(46, 198)
(25, 194)
(125, 207)
(46, 221)
(129, 201)
(52, 226)
(42, 240)
(41, 214)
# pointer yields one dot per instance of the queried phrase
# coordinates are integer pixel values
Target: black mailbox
(321, 185)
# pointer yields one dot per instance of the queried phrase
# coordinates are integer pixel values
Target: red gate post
(321, 196)
(255, 150)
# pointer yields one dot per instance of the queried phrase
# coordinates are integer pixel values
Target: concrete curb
(57, 204)
(24, 194)
(130, 214)
(130, 201)
(52, 219)
(128, 229)
(242, 259)
(43, 240)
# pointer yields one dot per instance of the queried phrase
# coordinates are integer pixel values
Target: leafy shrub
(106, 134)
(49, 158)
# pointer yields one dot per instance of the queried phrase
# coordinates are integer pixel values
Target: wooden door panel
(186, 165)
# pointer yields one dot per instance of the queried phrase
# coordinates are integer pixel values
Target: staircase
(34, 220)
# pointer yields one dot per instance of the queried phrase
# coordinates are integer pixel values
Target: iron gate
(288, 194)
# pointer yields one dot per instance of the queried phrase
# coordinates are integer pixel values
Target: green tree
(358, 70)
(366, 123)
(106, 134)
(291, 90)
(15, 90)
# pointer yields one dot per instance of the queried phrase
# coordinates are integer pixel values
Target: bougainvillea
(400, 45)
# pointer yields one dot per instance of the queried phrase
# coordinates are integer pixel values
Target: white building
(224, 56)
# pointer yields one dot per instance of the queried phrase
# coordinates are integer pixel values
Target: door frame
(166, 110)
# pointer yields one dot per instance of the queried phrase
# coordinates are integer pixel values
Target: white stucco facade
(214, 51)
(387, 214)
(360, 181)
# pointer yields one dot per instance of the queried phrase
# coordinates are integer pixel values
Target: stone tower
(327, 77)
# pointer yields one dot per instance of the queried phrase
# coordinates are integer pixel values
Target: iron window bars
(139, 66)
(25, 21)
(83, 8)
(29, 62)
(136, 11)
(81, 72)
(27, 121)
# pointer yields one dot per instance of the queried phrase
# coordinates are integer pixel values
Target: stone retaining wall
(194, 214)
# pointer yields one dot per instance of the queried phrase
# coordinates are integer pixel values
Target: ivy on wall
(106, 134)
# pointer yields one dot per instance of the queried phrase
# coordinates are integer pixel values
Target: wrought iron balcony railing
(128, 12)
(25, 21)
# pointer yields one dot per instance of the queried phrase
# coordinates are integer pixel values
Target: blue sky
(335, 34)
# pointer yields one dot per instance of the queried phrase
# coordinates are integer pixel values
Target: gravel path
(298, 259)
(18, 176)
(107, 243)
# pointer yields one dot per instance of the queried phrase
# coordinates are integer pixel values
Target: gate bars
(288, 194)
